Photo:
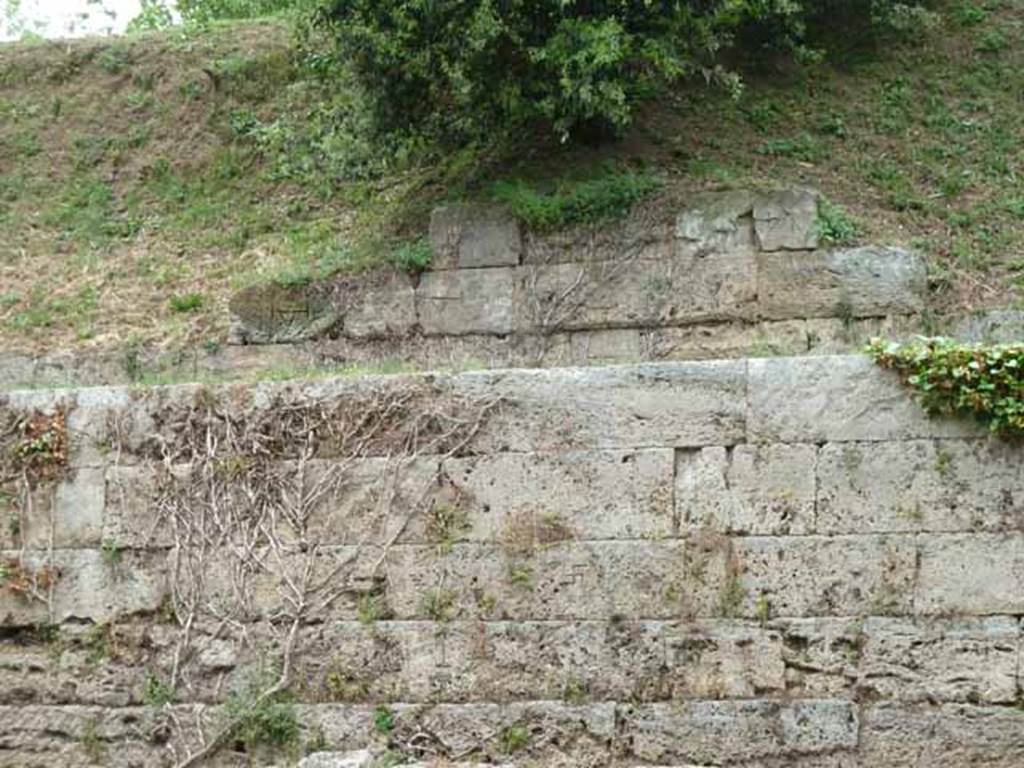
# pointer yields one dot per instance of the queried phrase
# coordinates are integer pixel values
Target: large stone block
(966, 660)
(720, 732)
(86, 585)
(469, 236)
(660, 405)
(951, 734)
(786, 220)
(17, 371)
(746, 489)
(720, 222)
(576, 495)
(381, 305)
(851, 575)
(971, 574)
(852, 283)
(637, 293)
(837, 399)
(276, 314)
(920, 485)
(465, 301)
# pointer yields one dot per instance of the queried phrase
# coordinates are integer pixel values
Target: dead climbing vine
(33, 454)
(240, 494)
(557, 292)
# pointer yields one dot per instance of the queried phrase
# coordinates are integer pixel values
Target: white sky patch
(65, 18)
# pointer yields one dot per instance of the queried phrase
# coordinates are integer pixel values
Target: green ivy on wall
(985, 382)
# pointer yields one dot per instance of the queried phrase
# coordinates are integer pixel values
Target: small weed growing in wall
(412, 257)
(514, 739)
(439, 604)
(92, 743)
(383, 720)
(155, 692)
(984, 382)
(447, 523)
(111, 552)
(42, 451)
(730, 601)
(835, 225)
(270, 721)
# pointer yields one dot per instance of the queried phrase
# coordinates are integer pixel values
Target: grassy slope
(132, 203)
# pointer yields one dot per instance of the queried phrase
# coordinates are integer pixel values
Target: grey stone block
(86, 587)
(68, 514)
(852, 575)
(787, 220)
(928, 660)
(837, 399)
(971, 574)
(719, 732)
(720, 222)
(747, 489)
(951, 734)
(275, 314)
(1005, 326)
(470, 236)
(637, 293)
(459, 302)
(585, 495)
(383, 306)
(920, 485)
(662, 405)
(16, 371)
(854, 283)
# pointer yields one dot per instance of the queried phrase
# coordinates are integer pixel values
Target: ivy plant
(985, 382)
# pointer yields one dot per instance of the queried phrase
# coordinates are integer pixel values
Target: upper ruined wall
(733, 270)
(775, 562)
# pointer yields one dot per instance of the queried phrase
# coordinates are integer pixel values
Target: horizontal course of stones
(746, 261)
(774, 562)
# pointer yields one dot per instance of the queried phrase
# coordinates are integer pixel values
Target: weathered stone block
(746, 489)
(68, 515)
(965, 574)
(470, 236)
(374, 307)
(458, 302)
(719, 222)
(838, 399)
(585, 495)
(967, 660)
(719, 732)
(86, 586)
(920, 485)
(16, 371)
(852, 575)
(281, 314)
(635, 293)
(787, 220)
(854, 283)
(951, 734)
(664, 405)
(608, 346)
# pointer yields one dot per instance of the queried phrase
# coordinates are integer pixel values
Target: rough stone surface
(787, 220)
(457, 302)
(845, 284)
(467, 237)
(768, 563)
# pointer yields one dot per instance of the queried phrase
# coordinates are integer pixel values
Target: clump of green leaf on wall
(985, 382)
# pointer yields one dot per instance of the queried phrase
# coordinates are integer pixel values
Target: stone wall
(731, 274)
(773, 562)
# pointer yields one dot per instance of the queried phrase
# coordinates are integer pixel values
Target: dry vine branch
(239, 490)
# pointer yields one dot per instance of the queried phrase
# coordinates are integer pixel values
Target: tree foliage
(466, 68)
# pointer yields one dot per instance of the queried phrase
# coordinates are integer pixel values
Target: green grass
(563, 202)
(131, 176)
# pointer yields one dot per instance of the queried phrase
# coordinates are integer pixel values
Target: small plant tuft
(514, 739)
(835, 225)
(186, 303)
(383, 720)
